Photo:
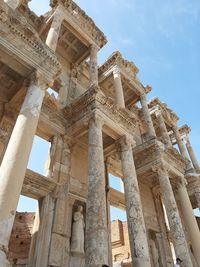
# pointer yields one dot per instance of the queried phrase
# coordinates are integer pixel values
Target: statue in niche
(78, 225)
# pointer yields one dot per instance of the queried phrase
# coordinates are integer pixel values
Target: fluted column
(135, 218)
(179, 142)
(189, 219)
(53, 34)
(191, 153)
(96, 237)
(163, 129)
(13, 3)
(118, 88)
(93, 66)
(147, 115)
(176, 229)
(14, 164)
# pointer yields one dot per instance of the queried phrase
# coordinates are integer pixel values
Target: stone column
(191, 154)
(96, 243)
(147, 116)
(14, 163)
(110, 261)
(164, 247)
(118, 88)
(53, 34)
(176, 229)
(13, 3)
(179, 142)
(6, 127)
(188, 216)
(163, 129)
(93, 66)
(54, 158)
(136, 225)
(197, 196)
(39, 253)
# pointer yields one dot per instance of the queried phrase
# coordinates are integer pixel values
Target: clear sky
(162, 38)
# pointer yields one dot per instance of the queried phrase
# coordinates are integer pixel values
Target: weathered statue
(77, 241)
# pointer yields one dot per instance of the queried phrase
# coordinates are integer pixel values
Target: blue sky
(162, 38)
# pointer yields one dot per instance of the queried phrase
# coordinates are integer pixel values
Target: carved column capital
(94, 48)
(116, 71)
(180, 182)
(127, 142)
(96, 119)
(185, 139)
(143, 97)
(157, 111)
(36, 78)
(160, 169)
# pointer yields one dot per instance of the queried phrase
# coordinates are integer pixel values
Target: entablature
(80, 20)
(21, 46)
(93, 100)
(184, 131)
(132, 88)
(153, 153)
(169, 116)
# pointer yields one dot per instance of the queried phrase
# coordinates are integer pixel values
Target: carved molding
(95, 99)
(76, 14)
(17, 33)
(127, 143)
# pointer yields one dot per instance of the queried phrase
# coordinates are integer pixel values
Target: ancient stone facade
(95, 127)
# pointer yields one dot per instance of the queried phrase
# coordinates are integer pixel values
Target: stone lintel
(116, 198)
(36, 185)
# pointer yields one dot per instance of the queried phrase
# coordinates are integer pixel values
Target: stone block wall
(20, 240)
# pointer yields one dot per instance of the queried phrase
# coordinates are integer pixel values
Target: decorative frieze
(15, 27)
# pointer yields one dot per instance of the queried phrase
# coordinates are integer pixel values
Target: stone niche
(77, 241)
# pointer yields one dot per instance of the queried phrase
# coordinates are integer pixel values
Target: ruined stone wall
(120, 244)
(20, 240)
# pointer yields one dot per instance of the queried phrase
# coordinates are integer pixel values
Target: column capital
(143, 96)
(174, 127)
(160, 169)
(97, 119)
(158, 111)
(180, 182)
(185, 139)
(94, 48)
(36, 78)
(127, 142)
(116, 70)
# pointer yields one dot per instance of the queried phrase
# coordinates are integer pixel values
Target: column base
(139, 262)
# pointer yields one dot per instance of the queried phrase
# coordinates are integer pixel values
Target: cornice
(21, 39)
(167, 113)
(116, 59)
(76, 14)
(184, 129)
(173, 157)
